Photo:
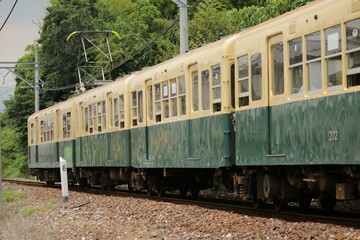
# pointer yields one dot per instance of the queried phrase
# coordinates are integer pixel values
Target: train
(273, 110)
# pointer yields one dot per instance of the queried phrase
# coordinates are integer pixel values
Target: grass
(28, 210)
(10, 195)
(15, 227)
(14, 223)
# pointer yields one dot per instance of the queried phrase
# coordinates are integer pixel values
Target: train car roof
(179, 58)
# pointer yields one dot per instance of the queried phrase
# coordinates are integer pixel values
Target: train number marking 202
(333, 135)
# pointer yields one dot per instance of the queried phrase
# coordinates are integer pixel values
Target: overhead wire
(11, 88)
(8, 15)
(133, 54)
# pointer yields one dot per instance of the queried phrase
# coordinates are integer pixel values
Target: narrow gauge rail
(291, 213)
(274, 108)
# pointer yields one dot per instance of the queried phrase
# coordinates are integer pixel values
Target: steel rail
(292, 214)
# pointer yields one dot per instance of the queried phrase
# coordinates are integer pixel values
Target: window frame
(332, 55)
(295, 65)
(173, 98)
(252, 77)
(313, 61)
(243, 79)
(216, 88)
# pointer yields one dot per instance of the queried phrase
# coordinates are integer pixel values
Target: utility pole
(184, 36)
(35, 67)
(37, 102)
(0, 172)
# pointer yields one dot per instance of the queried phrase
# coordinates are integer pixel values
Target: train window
(278, 69)
(232, 77)
(51, 129)
(45, 131)
(216, 87)
(140, 106)
(333, 56)
(256, 77)
(134, 108)
(68, 119)
(195, 80)
(313, 57)
(116, 112)
(64, 126)
(111, 112)
(158, 102)
(42, 131)
(205, 87)
(86, 119)
(173, 97)
(122, 111)
(182, 95)
(243, 63)
(165, 99)
(99, 121)
(150, 103)
(296, 68)
(94, 117)
(90, 119)
(103, 106)
(32, 133)
(353, 52)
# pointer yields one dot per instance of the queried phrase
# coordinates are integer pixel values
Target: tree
(14, 123)
(137, 22)
(58, 58)
(208, 23)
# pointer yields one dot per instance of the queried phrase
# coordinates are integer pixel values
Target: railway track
(292, 214)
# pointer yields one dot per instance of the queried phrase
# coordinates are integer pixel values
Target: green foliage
(59, 57)
(28, 210)
(10, 195)
(137, 22)
(14, 124)
(208, 23)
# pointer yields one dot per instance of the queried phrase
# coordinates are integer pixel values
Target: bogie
(275, 108)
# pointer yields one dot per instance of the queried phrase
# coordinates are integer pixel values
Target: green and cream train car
(273, 108)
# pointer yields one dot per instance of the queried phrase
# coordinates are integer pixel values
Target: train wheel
(279, 204)
(327, 202)
(150, 188)
(183, 190)
(130, 188)
(195, 191)
(83, 182)
(258, 203)
(305, 203)
(50, 183)
(161, 188)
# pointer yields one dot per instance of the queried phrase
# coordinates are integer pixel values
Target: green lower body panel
(199, 143)
(67, 151)
(103, 150)
(48, 155)
(314, 132)
(251, 137)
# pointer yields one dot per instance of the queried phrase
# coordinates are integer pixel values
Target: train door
(37, 139)
(276, 91)
(57, 133)
(149, 114)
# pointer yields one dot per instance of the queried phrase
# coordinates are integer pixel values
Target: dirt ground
(39, 213)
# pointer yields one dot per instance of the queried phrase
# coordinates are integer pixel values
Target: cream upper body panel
(313, 17)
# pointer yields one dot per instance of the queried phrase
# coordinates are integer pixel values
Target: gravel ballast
(88, 216)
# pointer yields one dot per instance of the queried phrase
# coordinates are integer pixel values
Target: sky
(20, 31)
